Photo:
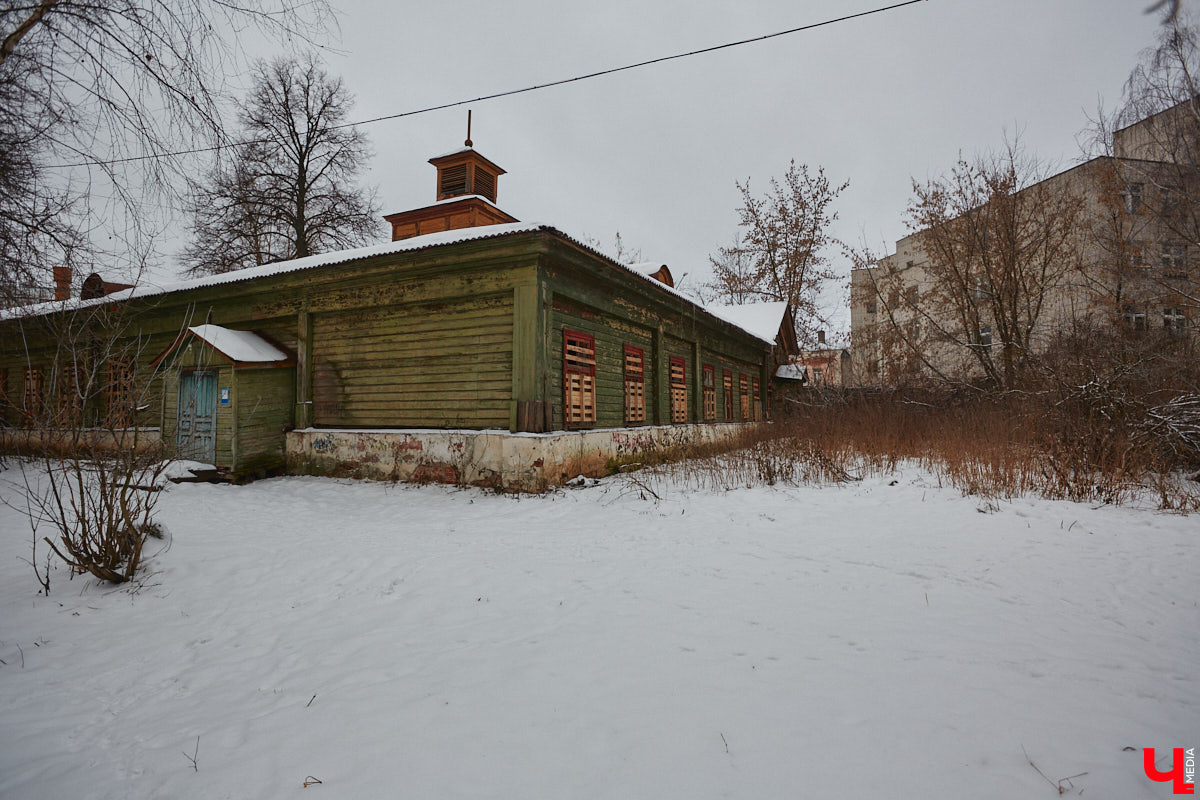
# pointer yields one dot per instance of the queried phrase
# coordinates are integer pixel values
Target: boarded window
(744, 391)
(678, 390)
(120, 394)
(579, 378)
(635, 384)
(70, 395)
(32, 392)
(710, 393)
(757, 400)
(727, 386)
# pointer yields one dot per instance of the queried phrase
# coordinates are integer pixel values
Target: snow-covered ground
(869, 640)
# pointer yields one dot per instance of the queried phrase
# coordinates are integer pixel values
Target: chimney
(820, 337)
(62, 283)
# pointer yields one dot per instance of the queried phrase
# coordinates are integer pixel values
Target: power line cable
(510, 92)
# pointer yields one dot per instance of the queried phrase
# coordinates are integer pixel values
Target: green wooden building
(466, 320)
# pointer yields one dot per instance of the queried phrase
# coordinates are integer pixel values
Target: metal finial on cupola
(468, 141)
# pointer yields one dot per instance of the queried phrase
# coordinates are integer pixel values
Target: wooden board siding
(611, 336)
(263, 398)
(426, 365)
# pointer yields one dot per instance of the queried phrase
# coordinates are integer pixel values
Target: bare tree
(998, 246)
(289, 191)
(93, 464)
(107, 94)
(781, 252)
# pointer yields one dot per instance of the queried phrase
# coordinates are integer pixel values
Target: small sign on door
(224, 395)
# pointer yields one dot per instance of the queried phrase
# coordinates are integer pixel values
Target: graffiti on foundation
(323, 445)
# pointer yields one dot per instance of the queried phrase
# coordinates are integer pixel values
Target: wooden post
(304, 357)
(697, 404)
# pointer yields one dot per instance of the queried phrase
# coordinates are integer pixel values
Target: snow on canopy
(239, 345)
(792, 372)
(761, 319)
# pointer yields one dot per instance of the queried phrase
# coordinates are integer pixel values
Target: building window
(3, 394)
(678, 390)
(32, 393)
(710, 393)
(579, 378)
(120, 393)
(1135, 318)
(1133, 197)
(1173, 319)
(818, 376)
(1174, 260)
(756, 410)
(727, 387)
(744, 396)
(70, 398)
(871, 306)
(635, 384)
(983, 340)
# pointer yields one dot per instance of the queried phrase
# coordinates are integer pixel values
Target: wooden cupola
(466, 172)
(466, 196)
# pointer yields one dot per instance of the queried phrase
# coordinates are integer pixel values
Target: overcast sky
(654, 153)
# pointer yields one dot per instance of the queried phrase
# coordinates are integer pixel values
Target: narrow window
(635, 384)
(120, 393)
(70, 398)
(31, 393)
(757, 400)
(818, 376)
(579, 378)
(678, 390)
(727, 386)
(744, 392)
(1133, 197)
(710, 393)
(984, 340)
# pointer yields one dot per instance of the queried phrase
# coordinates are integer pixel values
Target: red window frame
(727, 386)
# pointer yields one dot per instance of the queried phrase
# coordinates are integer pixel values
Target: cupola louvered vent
(452, 181)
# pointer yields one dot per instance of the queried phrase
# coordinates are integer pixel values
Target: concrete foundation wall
(514, 461)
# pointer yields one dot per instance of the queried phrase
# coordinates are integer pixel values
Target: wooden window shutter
(710, 393)
(579, 378)
(635, 384)
(744, 392)
(678, 390)
(485, 184)
(3, 394)
(120, 393)
(32, 393)
(70, 398)
(757, 401)
(453, 181)
(727, 386)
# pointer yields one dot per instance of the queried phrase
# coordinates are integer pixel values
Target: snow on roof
(646, 267)
(761, 319)
(463, 149)
(414, 243)
(792, 372)
(239, 345)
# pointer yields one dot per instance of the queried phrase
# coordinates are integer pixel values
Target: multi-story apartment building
(975, 296)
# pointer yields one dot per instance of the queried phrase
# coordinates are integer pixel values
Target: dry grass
(985, 447)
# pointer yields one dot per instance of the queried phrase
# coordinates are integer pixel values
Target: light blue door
(196, 435)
